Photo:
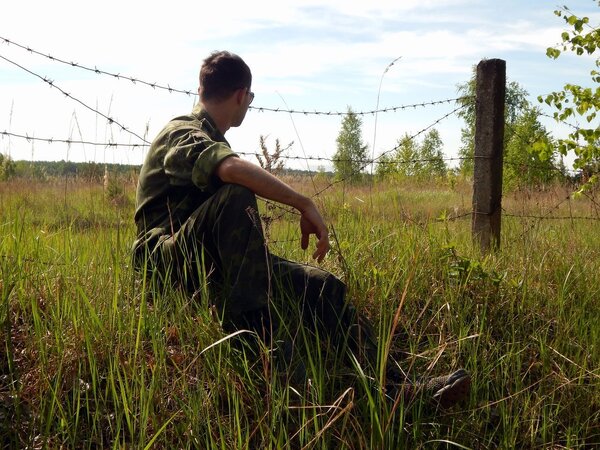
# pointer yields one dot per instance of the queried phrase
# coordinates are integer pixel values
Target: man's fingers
(319, 254)
(313, 224)
(322, 248)
(304, 241)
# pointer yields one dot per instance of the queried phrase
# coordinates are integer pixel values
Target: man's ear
(240, 95)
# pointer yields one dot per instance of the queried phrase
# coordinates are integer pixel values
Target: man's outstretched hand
(264, 184)
(311, 222)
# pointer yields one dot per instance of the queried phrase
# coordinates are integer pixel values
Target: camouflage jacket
(178, 175)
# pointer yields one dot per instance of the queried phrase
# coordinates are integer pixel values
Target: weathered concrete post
(489, 150)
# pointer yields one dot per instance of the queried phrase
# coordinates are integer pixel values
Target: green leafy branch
(574, 100)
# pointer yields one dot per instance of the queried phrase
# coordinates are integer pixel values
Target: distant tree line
(44, 170)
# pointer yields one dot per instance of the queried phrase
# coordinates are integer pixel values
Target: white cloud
(327, 54)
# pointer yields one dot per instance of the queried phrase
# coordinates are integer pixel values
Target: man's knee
(236, 194)
(331, 289)
(229, 208)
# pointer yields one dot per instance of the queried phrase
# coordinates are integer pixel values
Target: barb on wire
(188, 92)
(51, 84)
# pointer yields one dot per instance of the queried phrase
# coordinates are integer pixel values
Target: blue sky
(308, 55)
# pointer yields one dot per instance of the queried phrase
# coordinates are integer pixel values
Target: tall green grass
(95, 357)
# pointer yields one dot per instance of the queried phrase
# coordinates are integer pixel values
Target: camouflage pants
(222, 242)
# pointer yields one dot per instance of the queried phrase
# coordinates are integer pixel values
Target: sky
(305, 55)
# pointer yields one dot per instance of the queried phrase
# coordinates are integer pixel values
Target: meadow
(94, 356)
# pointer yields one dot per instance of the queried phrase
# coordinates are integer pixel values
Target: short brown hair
(221, 74)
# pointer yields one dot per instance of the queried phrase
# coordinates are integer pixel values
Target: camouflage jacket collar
(208, 124)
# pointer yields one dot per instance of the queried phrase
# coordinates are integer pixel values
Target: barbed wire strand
(540, 218)
(97, 70)
(361, 113)
(548, 217)
(53, 85)
(519, 164)
(524, 105)
(71, 141)
(29, 138)
(557, 119)
(188, 92)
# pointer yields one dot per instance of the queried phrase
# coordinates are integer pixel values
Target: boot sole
(454, 392)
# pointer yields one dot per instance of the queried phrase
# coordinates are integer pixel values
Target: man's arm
(262, 183)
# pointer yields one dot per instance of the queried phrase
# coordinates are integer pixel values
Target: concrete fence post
(489, 150)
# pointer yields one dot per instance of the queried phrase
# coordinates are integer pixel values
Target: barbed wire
(542, 217)
(547, 217)
(188, 92)
(555, 118)
(288, 157)
(53, 85)
(519, 164)
(70, 141)
(96, 69)
(363, 113)
(525, 105)
(514, 163)
(361, 161)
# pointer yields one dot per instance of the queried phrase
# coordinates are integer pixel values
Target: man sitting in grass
(197, 220)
